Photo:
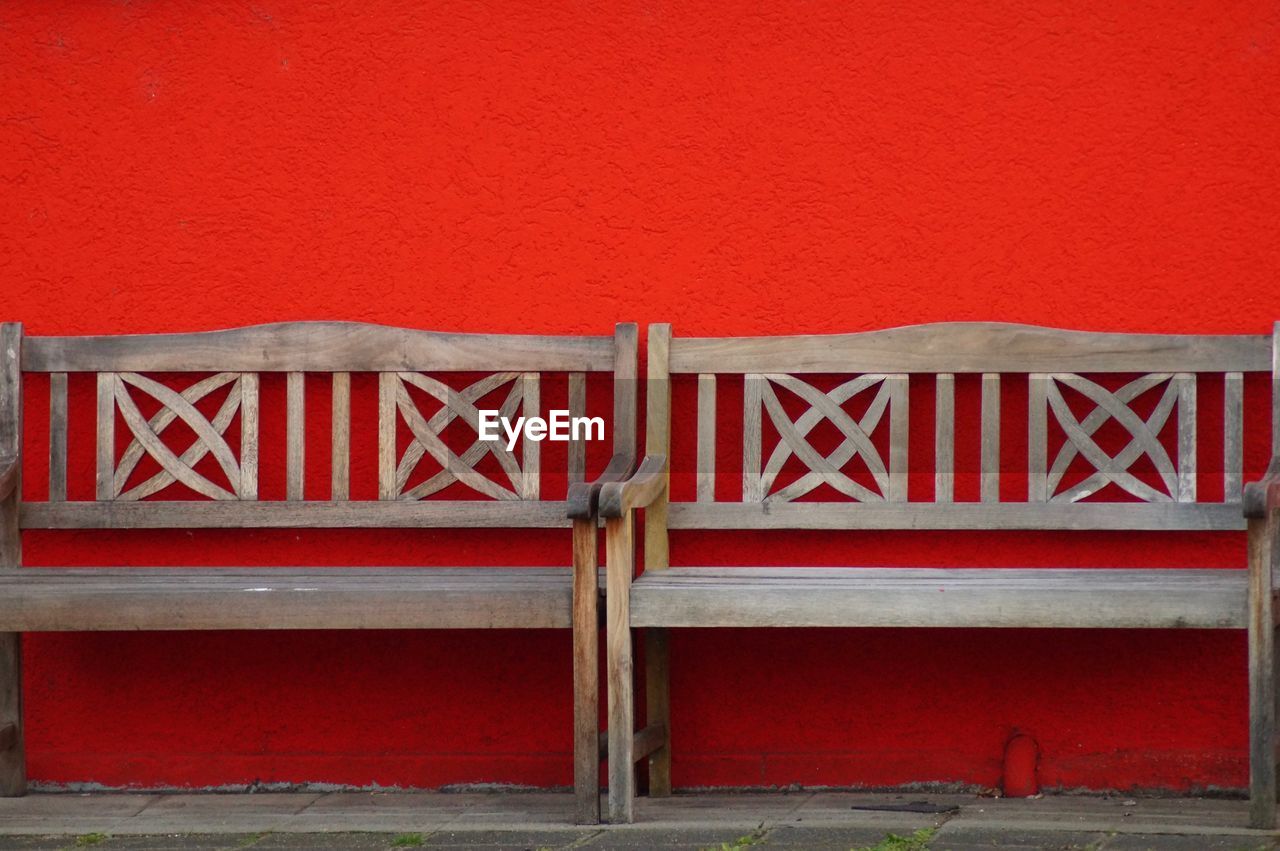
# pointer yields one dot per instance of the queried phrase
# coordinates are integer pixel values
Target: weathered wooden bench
(140, 463)
(779, 379)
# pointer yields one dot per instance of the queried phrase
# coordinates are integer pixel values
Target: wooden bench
(139, 463)
(779, 381)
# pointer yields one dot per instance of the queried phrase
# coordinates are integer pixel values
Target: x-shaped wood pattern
(458, 404)
(147, 434)
(793, 437)
(1144, 437)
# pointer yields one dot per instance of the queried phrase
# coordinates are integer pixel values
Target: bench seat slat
(202, 598)
(940, 597)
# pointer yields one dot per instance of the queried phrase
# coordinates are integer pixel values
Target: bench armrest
(8, 475)
(584, 497)
(647, 484)
(1263, 496)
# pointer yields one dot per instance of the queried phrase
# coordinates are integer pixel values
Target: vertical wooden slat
(752, 401)
(945, 439)
(1186, 437)
(13, 766)
(340, 477)
(295, 437)
(249, 436)
(106, 435)
(531, 450)
(1233, 436)
(658, 442)
(899, 423)
(586, 671)
(1037, 438)
(706, 438)
(619, 566)
(657, 695)
(626, 385)
(57, 437)
(990, 485)
(387, 383)
(577, 408)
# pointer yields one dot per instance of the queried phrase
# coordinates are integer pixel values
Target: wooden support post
(586, 673)
(622, 776)
(657, 687)
(13, 763)
(1262, 683)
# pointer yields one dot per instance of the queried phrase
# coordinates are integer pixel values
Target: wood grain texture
(1037, 437)
(922, 597)
(657, 433)
(706, 488)
(1262, 674)
(586, 673)
(296, 436)
(106, 436)
(657, 694)
(944, 437)
(57, 436)
(899, 429)
(752, 403)
(530, 450)
(249, 449)
(1187, 466)
(619, 563)
(319, 347)
(962, 347)
(626, 387)
(340, 452)
(185, 598)
(961, 515)
(577, 408)
(388, 384)
(1232, 437)
(315, 514)
(13, 763)
(990, 449)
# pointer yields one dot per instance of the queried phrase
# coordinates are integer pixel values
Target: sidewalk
(528, 820)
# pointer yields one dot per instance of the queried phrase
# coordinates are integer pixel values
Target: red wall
(731, 168)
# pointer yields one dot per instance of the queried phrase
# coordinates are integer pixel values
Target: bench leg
(1262, 679)
(586, 674)
(13, 757)
(619, 552)
(657, 688)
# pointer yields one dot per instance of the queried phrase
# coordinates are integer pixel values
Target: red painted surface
(1020, 757)
(738, 168)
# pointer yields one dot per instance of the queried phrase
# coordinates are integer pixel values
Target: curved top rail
(317, 347)
(973, 347)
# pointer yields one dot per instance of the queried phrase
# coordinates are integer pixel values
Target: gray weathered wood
(626, 386)
(752, 402)
(920, 515)
(1233, 437)
(340, 477)
(1262, 675)
(319, 347)
(57, 436)
(951, 597)
(646, 742)
(388, 385)
(944, 451)
(368, 514)
(184, 598)
(622, 777)
(249, 436)
(106, 435)
(295, 436)
(1186, 384)
(530, 450)
(990, 458)
(577, 408)
(1037, 438)
(962, 347)
(899, 422)
(586, 672)
(13, 763)
(706, 437)
(658, 434)
(657, 690)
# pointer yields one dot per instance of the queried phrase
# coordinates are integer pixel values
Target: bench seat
(207, 598)
(933, 597)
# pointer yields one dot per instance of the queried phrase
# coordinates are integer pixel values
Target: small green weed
(407, 840)
(918, 841)
(84, 840)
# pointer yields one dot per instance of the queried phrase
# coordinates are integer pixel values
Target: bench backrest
(1076, 385)
(226, 366)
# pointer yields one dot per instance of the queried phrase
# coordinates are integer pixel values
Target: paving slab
(257, 812)
(399, 812)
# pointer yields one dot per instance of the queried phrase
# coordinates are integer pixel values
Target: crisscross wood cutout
(793, 440)
(1144, 437)
(457, 404)
(114, 393)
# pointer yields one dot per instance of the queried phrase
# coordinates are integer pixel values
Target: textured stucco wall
(728, 167)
